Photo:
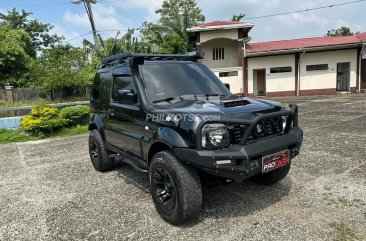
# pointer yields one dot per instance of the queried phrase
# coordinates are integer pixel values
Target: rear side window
(95, 93)
(121, 83)
(101, 87)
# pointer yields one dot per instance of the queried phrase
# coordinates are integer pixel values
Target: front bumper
(240, 161)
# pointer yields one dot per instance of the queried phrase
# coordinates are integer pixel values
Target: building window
(281, 69)
(228, 74)
(218, 54)
(316, 67)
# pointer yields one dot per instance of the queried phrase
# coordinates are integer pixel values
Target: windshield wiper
(167, 99)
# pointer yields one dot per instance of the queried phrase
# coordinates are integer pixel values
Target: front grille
(262, 129)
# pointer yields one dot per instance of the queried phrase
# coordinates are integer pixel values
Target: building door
(343, 76)
(260, 82)
(363, 74)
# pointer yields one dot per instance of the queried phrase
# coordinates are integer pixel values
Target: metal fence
(26, 94)
(2, 95)
(29, 94)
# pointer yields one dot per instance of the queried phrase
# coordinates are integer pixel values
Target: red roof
(305, 43)
(216, 23)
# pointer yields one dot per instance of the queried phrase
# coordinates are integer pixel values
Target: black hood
(239, 108)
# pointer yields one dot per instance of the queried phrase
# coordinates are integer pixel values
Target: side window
(122, 83)
(95, 93)
(101, 87)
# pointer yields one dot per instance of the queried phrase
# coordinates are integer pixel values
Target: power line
(69, 40)
(305, 10)
(100, 31)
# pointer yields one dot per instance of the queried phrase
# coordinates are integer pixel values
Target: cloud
(68, 35)
(150, 6)
(105, 18)
(302, 18)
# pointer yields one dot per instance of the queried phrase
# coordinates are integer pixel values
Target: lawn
(7, 136)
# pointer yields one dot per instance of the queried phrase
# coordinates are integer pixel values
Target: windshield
(170, 80)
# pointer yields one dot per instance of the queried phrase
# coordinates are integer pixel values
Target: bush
(76, 115)
(44, 112)
(42, 120)
(46, 119)
(39, 126)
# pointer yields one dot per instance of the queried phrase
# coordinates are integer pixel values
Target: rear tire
(175, 188)
(273, 176)
(98, 153)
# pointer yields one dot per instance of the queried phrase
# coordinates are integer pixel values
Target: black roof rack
(119, 58)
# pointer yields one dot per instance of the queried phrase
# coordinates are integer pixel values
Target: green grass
(7, 136)
(41, 102)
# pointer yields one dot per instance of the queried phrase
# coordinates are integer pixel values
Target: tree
(62, 66)
(38, 31)
(129, 42)
(16, 55)
(343, 31)
(237, 17)
(169, 33)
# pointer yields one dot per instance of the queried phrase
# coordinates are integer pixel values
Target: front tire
(175, 188)
(274, 176)
(98, 153)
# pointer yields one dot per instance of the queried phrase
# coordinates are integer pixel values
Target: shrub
(46, 119)
(44, 112)
(39, 126)
(42, 120)
(76, 115)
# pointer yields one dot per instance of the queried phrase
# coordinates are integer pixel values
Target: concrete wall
(230, 53)
(217, 34)
(275, 82)
(235, 82)
(326, 79)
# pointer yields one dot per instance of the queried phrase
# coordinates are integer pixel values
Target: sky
(70, 20)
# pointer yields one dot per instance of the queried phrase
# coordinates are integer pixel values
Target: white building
(222, 43)
(322, 65)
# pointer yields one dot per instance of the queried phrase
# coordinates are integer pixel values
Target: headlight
(284, 120)
(215, 136)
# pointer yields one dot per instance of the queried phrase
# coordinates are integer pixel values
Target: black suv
(171, 117)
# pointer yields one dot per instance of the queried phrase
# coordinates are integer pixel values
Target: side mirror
(127, 97)
(227, 86)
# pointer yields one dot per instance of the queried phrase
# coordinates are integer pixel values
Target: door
(125, 125)
(261, 82)
(343, 76)
(363, 74)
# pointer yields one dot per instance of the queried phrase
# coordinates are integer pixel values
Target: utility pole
(89, 11)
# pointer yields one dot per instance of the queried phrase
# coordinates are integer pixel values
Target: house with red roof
(308, 66)
(223, 44)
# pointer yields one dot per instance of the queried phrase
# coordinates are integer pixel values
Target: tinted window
(101, 87)
(281, 69)
(317, 67)
(95, 92)
(228, 74)
(121, 83)
(178, 79)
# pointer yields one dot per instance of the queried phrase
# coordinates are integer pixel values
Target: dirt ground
(49, 190)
